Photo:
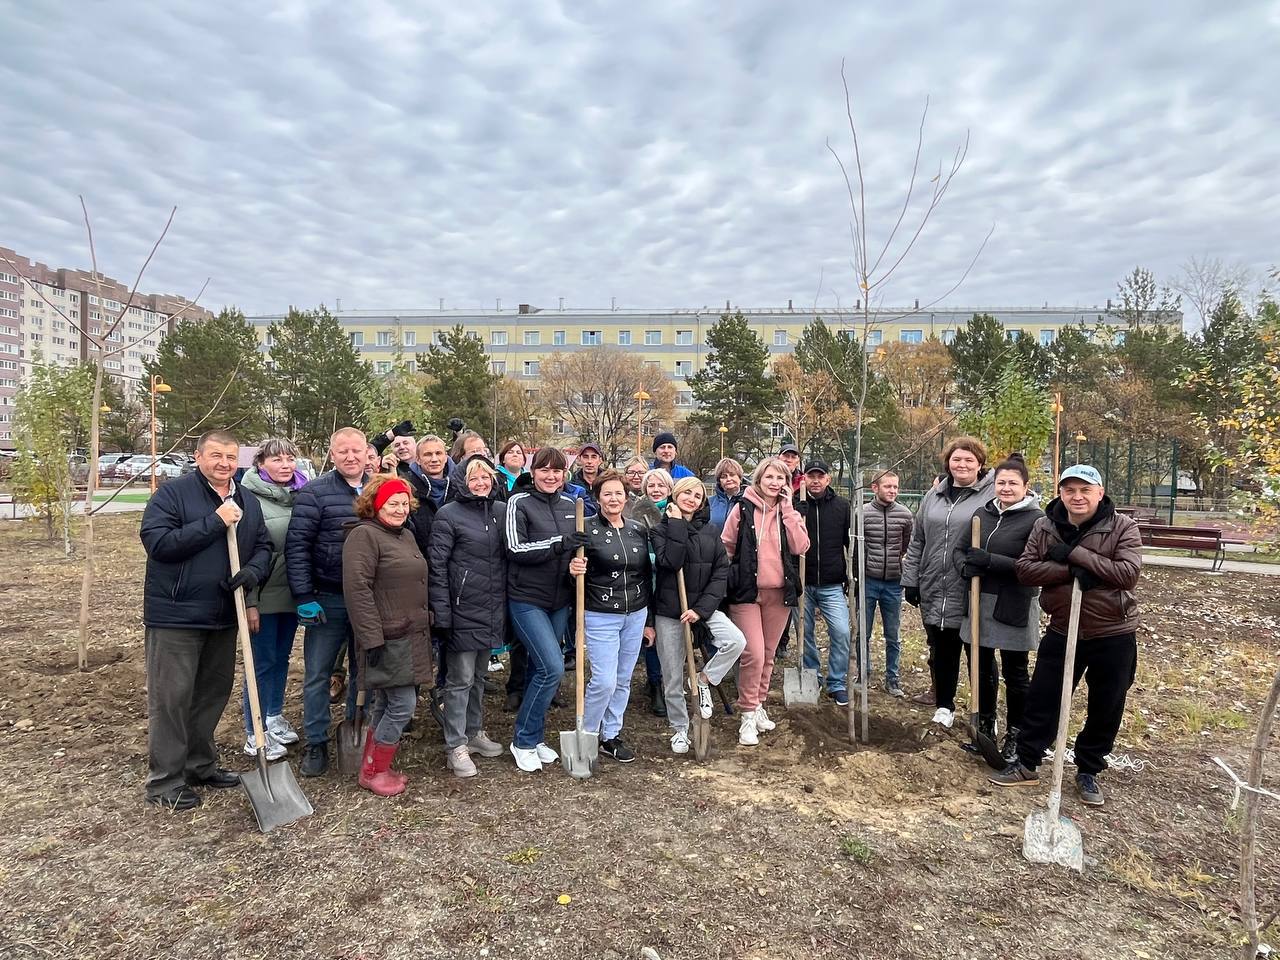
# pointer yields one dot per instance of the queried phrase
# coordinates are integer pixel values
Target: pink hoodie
(768, 545)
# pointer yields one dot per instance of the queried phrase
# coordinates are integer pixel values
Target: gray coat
(887, 530)
(277, 506)
(940, 526)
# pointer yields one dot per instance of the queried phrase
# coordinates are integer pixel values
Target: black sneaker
(617, 749)
(1090, 792)
(180, 798)
(315, 760)
(512, 703)
(1015, 775)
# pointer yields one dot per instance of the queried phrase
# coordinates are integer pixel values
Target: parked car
(140, 466)
(108, 462)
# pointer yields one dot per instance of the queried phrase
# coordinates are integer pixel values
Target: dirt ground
(802, 847)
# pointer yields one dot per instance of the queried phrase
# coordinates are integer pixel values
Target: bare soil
(806, 846)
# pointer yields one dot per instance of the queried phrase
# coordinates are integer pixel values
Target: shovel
(351, 737)
(985, 744)
(273, 792)
(798, 684)
(699, 726)
(1049, 837)
(579, 750)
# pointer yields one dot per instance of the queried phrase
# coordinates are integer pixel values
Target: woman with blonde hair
(763, 535)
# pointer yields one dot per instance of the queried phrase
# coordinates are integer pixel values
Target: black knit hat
(662, 438)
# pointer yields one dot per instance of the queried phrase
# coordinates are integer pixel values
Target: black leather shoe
(220, 779)
(657, 700)
(315, 761)
(179, 798)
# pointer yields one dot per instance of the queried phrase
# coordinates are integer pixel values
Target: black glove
(911, 595)
(1059, 552)
(976, 557)
(969, 569)
(402, 429)
(802, 507)
(572, 541)
(1086, 579)
(245, 578)
(440, 635)
(373, 656)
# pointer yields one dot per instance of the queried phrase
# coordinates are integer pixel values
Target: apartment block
(44, 309)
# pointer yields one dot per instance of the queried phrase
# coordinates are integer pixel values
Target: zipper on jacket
(462, 588)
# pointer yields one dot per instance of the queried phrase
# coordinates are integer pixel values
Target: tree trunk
(1248, 830)
(86, 584)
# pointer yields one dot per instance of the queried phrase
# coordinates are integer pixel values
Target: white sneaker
(546, 754)
(944, 716)
(279, 728)
(680, 742)
(763, 723)
(526, 760)
(747, 730)
(495, 665)
(482, 745)
(459, 761)
(705, 706)
(275, 749)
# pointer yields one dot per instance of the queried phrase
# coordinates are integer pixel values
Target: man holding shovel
(1081, 538)
(190, 617)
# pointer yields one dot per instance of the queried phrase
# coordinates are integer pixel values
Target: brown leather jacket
(1109, 547)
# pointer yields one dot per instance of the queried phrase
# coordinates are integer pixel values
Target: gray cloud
(668, 154)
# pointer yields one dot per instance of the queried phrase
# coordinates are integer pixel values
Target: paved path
(22, 511)
(1206, 564)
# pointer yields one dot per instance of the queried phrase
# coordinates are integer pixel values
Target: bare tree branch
(171, 318)
(915, 165)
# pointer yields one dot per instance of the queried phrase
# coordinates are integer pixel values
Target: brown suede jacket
(1109, 547)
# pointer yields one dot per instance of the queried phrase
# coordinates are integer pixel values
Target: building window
(1119, 337)
(874, 337)
(778, 431)
(559, 428)
(497, 338)
(911, 336)
(531, 368)
(498, 367)
(411, 366)
(1046, 337)
(383, 366)
(592, 338)
(684, 368)
(409, 338)
(779, 338)
(652, 338)
(684, 398)
(684, 338)
(624, 338)
(1014, 333)
(559, 338)
(357, 338)
(948, 336)
(533, 338)
(653, 364)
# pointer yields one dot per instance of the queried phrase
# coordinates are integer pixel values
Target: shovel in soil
(798, 684)
(579, 750)
(1049, 837)
(699, 726)
(273, 792)
(982, 743)
(351, 737)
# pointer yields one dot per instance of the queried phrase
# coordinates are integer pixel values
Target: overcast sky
(666, 154)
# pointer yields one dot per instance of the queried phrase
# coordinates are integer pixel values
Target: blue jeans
(888, 594)
(272, 645)
(613, 645)
(834, 605)
(320, 645)
(540, 631)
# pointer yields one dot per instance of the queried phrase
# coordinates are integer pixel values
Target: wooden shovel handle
(975, 607)
(579, 614)
(246, 646)
(688, 635)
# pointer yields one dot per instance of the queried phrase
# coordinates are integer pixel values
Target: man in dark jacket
(322, 511)
(1081, 538)
(665, 451)
(190, 618)
(886, 529)
(826, 577)
(404, 451)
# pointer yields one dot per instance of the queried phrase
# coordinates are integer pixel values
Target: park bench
(1194, 539)
(1140, 514)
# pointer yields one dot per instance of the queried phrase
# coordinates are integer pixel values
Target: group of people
(415, 560)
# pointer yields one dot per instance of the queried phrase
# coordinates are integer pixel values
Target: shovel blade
(579, 753)
(1046, 842)
(275, 796)
(700, 734)
(799, 686)
(350, 747)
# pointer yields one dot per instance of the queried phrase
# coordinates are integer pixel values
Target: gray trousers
(190, 674)
(730, 643)
(464, 695)
(392, 710)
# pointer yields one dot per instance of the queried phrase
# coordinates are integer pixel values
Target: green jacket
(277, 505)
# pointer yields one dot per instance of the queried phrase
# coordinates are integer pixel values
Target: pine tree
(734, 388)
(982, 349)
(461, 383)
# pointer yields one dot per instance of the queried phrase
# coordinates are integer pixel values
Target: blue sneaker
(1090, 792)
(841, 697)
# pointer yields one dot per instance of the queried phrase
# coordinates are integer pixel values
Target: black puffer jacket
(618, 570)
(1006, 603)
(186, 544)
(693, 546)
(468, 564)
(827, 520)
(886, 527)
(322, 513)
(535, 526)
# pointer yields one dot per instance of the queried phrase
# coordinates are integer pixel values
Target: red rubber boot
(376, 776)
(367, 761)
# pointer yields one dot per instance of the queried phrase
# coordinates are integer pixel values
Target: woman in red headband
(384, 580)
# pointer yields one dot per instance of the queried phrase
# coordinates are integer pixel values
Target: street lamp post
(1057, 434)
(1080, 438)
(723, 430)
(640, 398)
(157, 386)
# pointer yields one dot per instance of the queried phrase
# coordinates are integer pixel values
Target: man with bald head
(313, 564)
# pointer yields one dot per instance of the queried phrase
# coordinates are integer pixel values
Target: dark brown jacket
(384, 580)
(1109, 547)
